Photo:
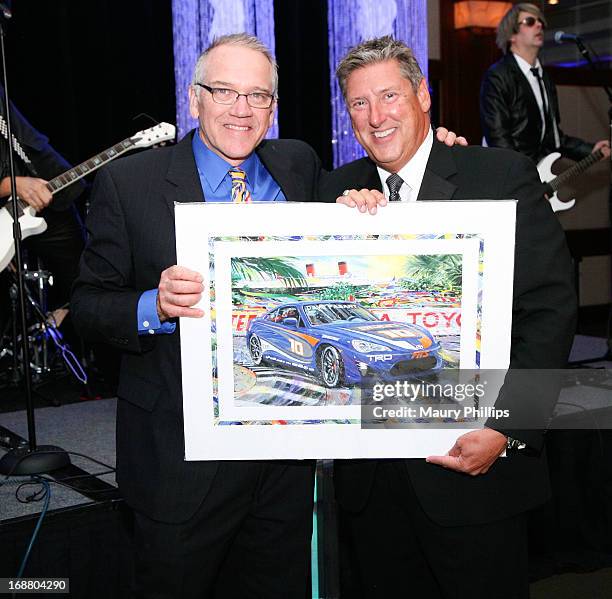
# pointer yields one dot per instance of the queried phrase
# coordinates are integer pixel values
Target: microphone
(561, 36)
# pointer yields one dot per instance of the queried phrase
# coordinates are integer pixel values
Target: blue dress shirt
(217, 184)
(217, 187)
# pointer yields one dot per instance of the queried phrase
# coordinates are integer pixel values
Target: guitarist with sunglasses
(60, 245)
(519, 109)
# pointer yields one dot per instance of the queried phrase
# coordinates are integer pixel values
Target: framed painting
(315, 311)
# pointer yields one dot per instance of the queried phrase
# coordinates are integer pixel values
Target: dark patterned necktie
(394, 183)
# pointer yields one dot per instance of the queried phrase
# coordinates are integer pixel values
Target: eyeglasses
(531, 21)
(222, 95)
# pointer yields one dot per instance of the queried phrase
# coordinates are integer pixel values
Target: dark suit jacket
(131, 225)
(543, 322)
(510, 116)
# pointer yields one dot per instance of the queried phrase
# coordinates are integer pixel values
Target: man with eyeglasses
(201, 529)
(519, 109)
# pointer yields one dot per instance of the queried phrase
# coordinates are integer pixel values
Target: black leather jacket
(510, 116)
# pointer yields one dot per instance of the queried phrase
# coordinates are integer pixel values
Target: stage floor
(77, 522)
(86, 428)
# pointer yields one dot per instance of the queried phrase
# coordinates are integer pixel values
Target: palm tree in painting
(434, 272)
(453, 268)
(247, 268)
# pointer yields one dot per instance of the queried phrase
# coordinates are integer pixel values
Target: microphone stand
(32, 459)
(593, 65)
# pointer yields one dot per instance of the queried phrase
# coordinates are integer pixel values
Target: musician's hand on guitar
(179, 289)
(604, 146)
(33, 192)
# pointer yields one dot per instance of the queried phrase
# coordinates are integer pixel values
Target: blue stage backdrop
(196, 23)
(352, 21)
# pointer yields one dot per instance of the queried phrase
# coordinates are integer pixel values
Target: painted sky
(373, 268)
(367, 267)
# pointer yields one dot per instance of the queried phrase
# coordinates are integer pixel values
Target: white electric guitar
(33, 225)
(553, 182)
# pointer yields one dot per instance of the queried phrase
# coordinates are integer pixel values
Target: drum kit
(50, 356)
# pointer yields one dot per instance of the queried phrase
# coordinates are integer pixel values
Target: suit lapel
(182, 176)
(279, 165)
(184, 181)
(368, 177)
(440, 167)
(527, 91)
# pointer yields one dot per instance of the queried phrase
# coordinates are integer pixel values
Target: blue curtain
(353, 21)
(196, 23)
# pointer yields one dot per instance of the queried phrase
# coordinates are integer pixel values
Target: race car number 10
(297, 347)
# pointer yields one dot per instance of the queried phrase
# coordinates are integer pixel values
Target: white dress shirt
(535, 88)
(412, 173)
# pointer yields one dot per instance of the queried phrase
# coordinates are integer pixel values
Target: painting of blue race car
(340, 343)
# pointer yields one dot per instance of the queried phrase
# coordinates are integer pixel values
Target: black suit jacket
(132, 240)
(543, 322)
(510, 116)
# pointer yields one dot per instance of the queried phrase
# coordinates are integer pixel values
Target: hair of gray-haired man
(244, 40)
(509, 24)
(378, 50)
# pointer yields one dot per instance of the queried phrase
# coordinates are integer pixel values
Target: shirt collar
(414, 170)
(214, 169)
(525, 66)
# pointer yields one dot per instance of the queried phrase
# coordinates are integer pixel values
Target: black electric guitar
(33, 225)
(553, 182)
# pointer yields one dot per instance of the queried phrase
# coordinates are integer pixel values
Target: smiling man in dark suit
(202, 529)
(451, 526)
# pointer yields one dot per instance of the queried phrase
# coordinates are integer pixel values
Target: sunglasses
(531, 21)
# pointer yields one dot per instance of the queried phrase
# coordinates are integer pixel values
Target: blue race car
(341, 343)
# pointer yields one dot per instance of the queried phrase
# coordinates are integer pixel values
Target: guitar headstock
(154, 135)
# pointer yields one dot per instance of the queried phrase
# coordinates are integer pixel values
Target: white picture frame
(226, 419)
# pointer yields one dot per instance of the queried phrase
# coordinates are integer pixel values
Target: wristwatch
(514, 444)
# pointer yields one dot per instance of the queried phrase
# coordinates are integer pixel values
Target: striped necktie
(240, 193)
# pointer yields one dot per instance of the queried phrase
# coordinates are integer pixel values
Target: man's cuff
(148, 319)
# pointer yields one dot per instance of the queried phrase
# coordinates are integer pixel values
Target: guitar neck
(89, 166)
(161, 133)
(575, 170)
